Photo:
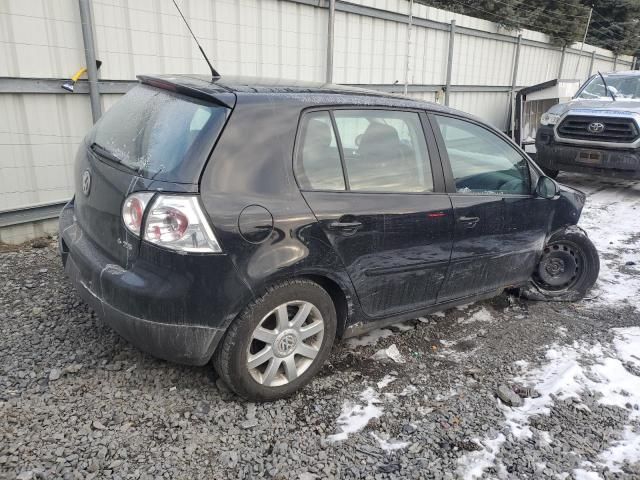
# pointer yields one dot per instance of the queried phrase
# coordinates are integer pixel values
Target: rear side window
(481, 161)
(318, 165)
(381, 150)
(384, 151)
(159, 134)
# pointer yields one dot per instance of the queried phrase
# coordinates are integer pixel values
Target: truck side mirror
(546, 187)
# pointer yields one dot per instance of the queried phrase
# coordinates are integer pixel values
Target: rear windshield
(158, 134)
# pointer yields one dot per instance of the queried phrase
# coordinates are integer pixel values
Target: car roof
(311, 93)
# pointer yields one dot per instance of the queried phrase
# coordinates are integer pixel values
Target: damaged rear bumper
(120, 297)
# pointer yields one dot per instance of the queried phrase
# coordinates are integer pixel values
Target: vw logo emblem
(286, 344)
(596, 127)
(86, 182)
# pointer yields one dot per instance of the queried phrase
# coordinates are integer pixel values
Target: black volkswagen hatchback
(251, 223)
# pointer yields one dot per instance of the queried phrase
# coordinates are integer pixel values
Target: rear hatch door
(151, 139)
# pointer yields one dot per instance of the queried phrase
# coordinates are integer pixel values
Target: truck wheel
(567, 269)
(551, 173)
(279, 342)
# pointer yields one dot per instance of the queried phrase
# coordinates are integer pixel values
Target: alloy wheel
(285, 343)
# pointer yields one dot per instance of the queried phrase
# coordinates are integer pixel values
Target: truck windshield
(158, 134)
(621, 86)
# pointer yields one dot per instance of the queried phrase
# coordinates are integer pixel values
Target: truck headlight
(549, 119)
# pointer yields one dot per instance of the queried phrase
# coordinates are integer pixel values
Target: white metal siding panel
(39, 38)
(537, 65)
(424, 96)
(39, 135)
(481, 61)
(250, 37)
(576, 67)
(429, 56)
(490, 106)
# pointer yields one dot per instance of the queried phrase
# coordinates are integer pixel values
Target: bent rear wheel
(279, 342)
(567, 269)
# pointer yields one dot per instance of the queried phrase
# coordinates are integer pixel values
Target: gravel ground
(77, 401)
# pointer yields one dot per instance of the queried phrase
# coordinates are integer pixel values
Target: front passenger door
(500, 226)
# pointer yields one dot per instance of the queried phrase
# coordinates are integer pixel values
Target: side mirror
(546, 187)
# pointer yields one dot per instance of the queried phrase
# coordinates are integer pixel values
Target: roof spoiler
(227, 100)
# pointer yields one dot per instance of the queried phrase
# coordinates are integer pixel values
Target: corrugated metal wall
(39, 132)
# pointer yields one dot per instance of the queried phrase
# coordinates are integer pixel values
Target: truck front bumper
(584, 159)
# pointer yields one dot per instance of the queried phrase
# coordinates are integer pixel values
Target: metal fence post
(330, 40)
(633, 63)
(408, 56)
(593, 58)
(564, 47)
(615, 62)
(452, 35)
(90, 56)
(514, 77)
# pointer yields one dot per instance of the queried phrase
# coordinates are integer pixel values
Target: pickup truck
(597, 132)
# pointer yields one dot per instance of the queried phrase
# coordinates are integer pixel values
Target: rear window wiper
(108, 155)
(104, 153)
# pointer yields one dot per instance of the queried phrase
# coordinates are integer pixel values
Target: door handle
(469, 222)
(347, 227)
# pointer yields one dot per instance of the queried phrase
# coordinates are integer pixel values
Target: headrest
(379, 135)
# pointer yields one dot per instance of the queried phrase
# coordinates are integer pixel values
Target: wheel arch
(340, 296)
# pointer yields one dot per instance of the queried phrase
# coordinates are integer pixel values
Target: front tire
(568, 268)
(279, 342)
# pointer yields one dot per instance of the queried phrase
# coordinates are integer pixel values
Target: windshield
(627, 87)
(158, 134)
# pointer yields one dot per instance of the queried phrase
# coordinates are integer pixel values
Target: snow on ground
(482, 315)
(473, 464)
(609, 371)
(372, 337)
(354, 417)
(385, 381)
(387, 444)
(611, 218)
(581, 474)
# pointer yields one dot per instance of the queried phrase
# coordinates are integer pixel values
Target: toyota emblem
(596, 127)
(86, 182)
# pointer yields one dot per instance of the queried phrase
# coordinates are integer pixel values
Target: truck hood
(595, 106)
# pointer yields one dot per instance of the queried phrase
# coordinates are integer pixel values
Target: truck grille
(621, 130)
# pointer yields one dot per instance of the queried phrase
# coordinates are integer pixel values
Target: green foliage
(615, 24)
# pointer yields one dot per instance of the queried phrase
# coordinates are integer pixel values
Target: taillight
(133, 211)
(173, 221)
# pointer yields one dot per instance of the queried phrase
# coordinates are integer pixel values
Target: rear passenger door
(500, 226)
(368, 177)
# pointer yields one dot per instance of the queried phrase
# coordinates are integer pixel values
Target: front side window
(481, 161)
(318, 164)
(384, 151)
